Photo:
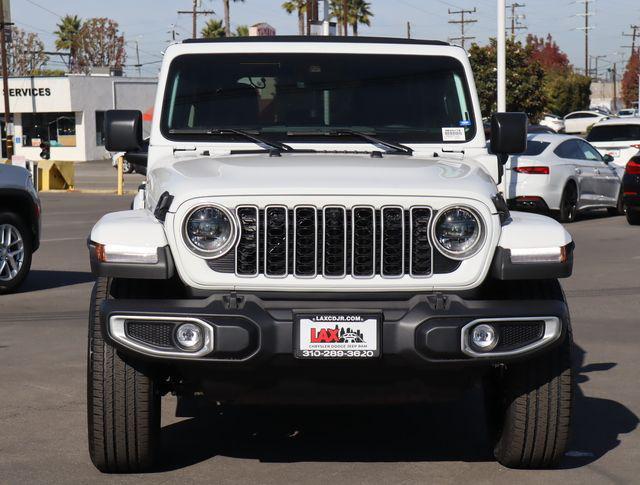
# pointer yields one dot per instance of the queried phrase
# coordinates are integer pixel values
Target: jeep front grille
(333, 241)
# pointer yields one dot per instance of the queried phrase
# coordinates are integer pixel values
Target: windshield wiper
(391, 146)
(280, 147)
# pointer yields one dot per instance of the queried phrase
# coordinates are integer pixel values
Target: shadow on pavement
(452, 431)
(38, 279)
(597, 422)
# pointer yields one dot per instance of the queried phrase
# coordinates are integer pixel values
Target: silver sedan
(562, 174)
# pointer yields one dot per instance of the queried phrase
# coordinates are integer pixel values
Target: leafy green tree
(566, 91)
(67, 37)
(525, 79)
(299, 6)
(630, 80)
(227, 16)
(213, 29)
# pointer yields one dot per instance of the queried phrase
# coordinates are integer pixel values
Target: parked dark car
(19, 225)
(631, 190)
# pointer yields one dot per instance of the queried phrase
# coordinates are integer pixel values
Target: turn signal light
(633, 167)
(533, 170)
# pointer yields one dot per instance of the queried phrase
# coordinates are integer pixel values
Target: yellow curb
(88, 191)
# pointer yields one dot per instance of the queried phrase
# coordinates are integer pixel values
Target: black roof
(318, 38)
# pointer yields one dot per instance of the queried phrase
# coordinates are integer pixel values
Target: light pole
(502, 57)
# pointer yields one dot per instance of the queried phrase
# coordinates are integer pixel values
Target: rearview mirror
(123, 130)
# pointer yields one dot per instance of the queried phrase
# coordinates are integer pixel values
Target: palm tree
(242, 31)
(300, 6)
(213, 29)
(359, 13)
(227, 17)
(67, 37)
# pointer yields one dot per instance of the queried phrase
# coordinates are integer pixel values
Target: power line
(462, 23)
(515, 19)
(194, 14)
(44, 8)
(586, 29)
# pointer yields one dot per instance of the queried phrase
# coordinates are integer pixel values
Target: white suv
(617, 137)
(321, 222)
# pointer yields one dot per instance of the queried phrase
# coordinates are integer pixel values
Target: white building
(69, 111)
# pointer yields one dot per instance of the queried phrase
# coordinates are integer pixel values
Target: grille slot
(392, 264)
(420, 260)
(157, 334)
(247, 248)
(363, 250)
(276, 240)
(332, 241)
(305, 242)
(335, 242)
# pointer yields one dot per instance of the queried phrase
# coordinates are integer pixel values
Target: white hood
(320, 174)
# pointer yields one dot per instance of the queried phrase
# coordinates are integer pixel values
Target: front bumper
(250, 330)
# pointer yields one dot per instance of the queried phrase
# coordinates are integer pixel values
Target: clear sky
(149, 21)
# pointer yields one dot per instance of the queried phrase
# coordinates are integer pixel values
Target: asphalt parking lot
(42, 389)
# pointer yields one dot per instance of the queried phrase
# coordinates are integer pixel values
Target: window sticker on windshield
(464, 123)
(453, 134)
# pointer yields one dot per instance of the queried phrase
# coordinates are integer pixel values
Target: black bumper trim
(413, 331)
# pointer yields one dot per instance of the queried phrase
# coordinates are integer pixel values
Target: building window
(59, 129)
(100, 128)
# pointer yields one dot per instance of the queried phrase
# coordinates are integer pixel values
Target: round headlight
(210, 231)
(458, 232)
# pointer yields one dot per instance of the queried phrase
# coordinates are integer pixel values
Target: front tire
(16, 248)
(529, 405)
(123, 402)
(633, 216)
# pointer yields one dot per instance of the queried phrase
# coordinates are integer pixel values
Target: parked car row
(565, 174)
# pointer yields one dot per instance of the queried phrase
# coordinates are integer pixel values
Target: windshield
(400, 98)
(615, 133)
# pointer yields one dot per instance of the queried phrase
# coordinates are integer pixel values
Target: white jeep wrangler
(322, 223)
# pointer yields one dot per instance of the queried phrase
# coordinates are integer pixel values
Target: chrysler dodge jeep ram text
(322, 223)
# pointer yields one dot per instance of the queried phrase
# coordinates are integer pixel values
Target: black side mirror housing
(123, 130)
(508, 137)
(509, 133)
(607, 159)
(138, 158)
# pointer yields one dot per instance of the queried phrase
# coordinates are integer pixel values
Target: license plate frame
(360, 340)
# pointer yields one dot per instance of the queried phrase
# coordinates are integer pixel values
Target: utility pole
(614, 76)
(462, 23)
(138, 65)
(597, 58)
(502, 60)
(194, 12)
(634, 35)
(408, 29)
(8, 125)
(515, 19)
(174, 33)
(586, 29)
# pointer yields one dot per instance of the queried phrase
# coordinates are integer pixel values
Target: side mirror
(607, 159)
(123, 130)
(508, 137)
(138, 158)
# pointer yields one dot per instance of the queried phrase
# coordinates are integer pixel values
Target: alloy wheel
(11, 252)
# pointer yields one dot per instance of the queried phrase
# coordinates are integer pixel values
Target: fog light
(189, 337)
(484, 337)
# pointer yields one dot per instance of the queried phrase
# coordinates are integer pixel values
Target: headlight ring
(458, 232)
(210, 231)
